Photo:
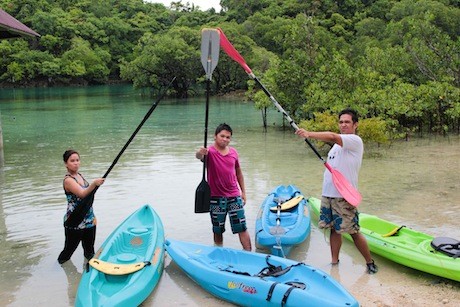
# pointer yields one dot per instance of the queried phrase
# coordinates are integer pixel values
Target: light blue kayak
(256, 279)
(280, 230)
(129, 264)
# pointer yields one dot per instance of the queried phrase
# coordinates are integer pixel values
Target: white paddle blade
(210, 46)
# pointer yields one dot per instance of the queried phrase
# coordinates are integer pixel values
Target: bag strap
(270, 291)
(286, 295)
(449, 246)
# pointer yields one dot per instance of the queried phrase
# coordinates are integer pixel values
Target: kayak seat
(136, 237)
(117, 268)
(446, 245)
(288, 205)
(138, 231)
(126, 258)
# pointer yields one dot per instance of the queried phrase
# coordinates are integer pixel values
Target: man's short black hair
(349, 111)
(223, 126)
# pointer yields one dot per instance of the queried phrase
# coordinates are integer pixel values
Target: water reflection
(13, 254)
(73, 279)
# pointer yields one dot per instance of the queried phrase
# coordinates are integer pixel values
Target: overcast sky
(203, 4)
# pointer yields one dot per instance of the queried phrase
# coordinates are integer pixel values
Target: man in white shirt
(336, 213)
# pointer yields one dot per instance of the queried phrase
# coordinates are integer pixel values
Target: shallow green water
(414, 183)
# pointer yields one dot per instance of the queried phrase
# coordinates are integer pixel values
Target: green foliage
(51, 69)
(394, 61)
(240, 10)
(369, 129)
(325, 121)
(160, 58)
(14, 72)
(374, 130)
(267, 32)
(30, 61)
(82, 61)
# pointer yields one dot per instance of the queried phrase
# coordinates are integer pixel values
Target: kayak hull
(232, 275)
(280, 231)
(138, 239)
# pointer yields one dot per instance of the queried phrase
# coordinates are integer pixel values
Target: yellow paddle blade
(289, 204)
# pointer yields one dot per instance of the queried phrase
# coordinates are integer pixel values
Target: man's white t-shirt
(347, 160)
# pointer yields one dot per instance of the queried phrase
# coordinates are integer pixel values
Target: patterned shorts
(220, 206)
(338, 213)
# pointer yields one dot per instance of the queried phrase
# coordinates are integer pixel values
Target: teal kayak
(255, 279)
(406, 246)
(128, 265)
(280, 230)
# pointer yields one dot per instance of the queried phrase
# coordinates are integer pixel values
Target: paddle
(209, 59)
(278, 230)
(80, 211)
(349, 192)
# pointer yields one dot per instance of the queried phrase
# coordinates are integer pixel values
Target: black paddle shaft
(206, 120)
(209, 58)
(81, 210)
(203, 192)
(289, 119)
(152, 108)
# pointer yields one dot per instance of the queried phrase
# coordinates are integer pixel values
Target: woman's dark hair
(68, 153)
(351, 112)
(223, 126)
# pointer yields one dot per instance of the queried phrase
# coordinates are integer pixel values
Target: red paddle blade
(344, 187)
(340, 182)
(232, 52)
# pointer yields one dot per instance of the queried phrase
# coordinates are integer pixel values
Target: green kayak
(417, 250)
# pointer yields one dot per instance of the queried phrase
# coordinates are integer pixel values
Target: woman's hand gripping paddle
(348, 191)
(209, 57)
